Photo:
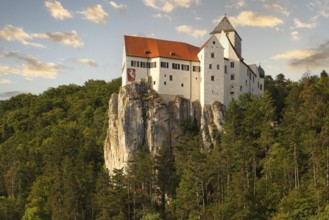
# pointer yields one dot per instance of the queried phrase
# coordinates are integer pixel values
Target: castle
(215, 71)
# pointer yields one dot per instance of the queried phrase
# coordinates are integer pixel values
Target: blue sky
(47, 43)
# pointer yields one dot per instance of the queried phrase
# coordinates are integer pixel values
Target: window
(232, 64)
(153, 82)
(164, 83)
(196, 69)
(212, 78)
(258, 84)
(212, 55)
(144, 64)
(225, 71)
(240, 88)
(232, 89)
(152, 65)
(164, 64)
(213, 42)
(170, 77)
(232, 77)
(176, 66)
(253, 79)
(135, 63)
(210, 66)
(185, 67)
(246, 82)
(261, 87)
(218, 66)
(182, 85)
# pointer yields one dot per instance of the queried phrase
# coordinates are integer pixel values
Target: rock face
(140, 118)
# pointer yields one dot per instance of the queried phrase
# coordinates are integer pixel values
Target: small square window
(153, 82)
(210, 66)
(212, 55)
(164, 83)
(232, 77)
(182, 85)
(214, 42)
(212, 78)
(232, 64)
(170, 77)
(218, 66)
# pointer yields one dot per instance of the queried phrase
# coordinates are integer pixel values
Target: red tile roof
(151, 48)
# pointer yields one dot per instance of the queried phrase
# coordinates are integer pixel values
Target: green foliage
(272, 161)
(51, 151)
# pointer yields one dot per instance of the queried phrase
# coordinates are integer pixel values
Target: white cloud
(95, 14)
(320, 7)
(8, 70)
(169, 5)
(296, 54)
(276, 6)
(162, 16)
(90, 62)
(57, 10)
(250, 18)
(5, 81)
(32, 66)
(195, 33)
(66, 38)
(295, 35)
(12, 33)
(299, 24)
(121, 7)
(36, 68)
(236, 4)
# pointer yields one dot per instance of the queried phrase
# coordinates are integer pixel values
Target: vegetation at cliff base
(272, 160)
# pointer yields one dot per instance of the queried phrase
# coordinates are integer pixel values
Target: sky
(47, 43)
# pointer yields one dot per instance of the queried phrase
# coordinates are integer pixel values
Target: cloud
(320, 7)
(5, 81)
(299, 24)
(9, 94)
(299, 54)
(319, 58)
(87, 62)
(120, 7)
(66, 38)
(36, 68)
(57, 11)
(169, 5)
(236, 4)
(195, 33)
(12, 33)
(276, 6)
(250, 18)
(8, 70)
(295, 35)
(162, 16)
(95, 14)
(32, 67)
(300, 59)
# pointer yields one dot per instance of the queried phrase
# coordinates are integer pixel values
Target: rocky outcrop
(140, 118)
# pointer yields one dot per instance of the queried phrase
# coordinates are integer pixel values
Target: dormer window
(172, 53)
(147, 52)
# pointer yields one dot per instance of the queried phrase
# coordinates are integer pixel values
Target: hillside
(271, 160)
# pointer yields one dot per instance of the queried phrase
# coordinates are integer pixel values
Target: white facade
(214, 72)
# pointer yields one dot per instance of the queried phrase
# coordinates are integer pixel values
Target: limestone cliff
(139, 117)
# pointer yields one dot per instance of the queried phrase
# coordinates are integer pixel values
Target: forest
(272, 160)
